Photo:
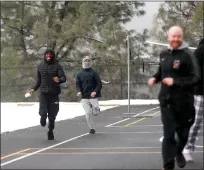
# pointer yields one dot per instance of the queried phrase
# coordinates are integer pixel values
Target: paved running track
(119, 143)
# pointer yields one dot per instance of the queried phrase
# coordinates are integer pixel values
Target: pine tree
(70, 28)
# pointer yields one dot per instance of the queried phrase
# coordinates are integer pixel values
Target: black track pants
(172, 125)
(49, 107)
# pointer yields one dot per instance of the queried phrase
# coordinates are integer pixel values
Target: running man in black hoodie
(198, 103)
(178, 72)
(49, 77)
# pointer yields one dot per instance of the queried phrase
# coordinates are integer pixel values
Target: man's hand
(93, 94)
(152, 81)
(79, 94)
(168, 81)
(31, 91)
(56, 79)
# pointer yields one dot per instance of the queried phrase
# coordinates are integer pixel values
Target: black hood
(201, 41)
(50, 50)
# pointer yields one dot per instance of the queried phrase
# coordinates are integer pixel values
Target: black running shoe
(92, 131)
(43, 121)
(181, 161)
(50, 135)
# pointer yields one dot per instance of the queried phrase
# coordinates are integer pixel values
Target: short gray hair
(173, 28)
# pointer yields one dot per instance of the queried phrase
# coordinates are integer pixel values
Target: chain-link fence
(15, 81)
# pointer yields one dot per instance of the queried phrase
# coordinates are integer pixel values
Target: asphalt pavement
(119, 143)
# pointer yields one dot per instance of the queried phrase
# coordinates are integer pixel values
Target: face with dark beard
(175, 37)
(48, 56)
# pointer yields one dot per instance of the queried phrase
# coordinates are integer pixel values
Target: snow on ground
(132, 102)
(15, 116)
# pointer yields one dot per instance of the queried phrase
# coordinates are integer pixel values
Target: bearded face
(175, 38)
(48, 56)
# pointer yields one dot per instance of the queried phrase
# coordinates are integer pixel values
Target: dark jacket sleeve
(78, 84)
(199, 54)
(157, 75)
(98, 82)
(38, 80)
(61, 74)
(194, 74)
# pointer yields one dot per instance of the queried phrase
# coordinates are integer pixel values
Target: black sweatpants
(49, 107)
(174, 122)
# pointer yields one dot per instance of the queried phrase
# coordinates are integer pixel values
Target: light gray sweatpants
(91, 107)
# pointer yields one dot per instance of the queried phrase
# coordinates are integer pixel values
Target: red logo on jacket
(176, 64)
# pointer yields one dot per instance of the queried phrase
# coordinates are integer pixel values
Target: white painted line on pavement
(197, 146)
(137, 126)
(41, 150)
(129, 132)
(132, 117)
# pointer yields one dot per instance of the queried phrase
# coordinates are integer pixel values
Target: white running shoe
(188, 155)
(161, 139)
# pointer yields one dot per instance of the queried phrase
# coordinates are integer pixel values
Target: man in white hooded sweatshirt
(88, 85)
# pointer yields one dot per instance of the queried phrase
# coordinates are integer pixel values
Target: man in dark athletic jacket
(178, 72)
(88, 85)
(49, 77)
(199, 105)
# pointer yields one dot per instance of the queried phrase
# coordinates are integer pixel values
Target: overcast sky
(139, 23)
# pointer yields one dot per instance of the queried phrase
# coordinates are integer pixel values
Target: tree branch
(64, 10)
(70, 47)
(15, 28)
(23, 45)
(51, 44)
(9, 19)
(34, 5)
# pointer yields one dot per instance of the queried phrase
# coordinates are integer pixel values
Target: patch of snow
(15, 116)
